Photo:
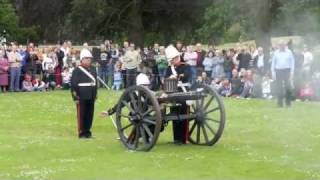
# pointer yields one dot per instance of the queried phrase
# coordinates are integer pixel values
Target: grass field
(38, 141)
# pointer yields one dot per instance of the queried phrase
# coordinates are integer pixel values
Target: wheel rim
(138, 119)
(207, 128)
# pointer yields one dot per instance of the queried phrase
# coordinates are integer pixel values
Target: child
(117, 77)
(215, 84)
(27, 83)
(266, 87)
(225, 89)
(307, 93)
(66, 77)
(39, 85)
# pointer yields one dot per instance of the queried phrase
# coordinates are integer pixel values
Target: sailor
(84, 93)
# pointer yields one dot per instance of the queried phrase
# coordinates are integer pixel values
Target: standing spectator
(190, 57)
(66, 51)
(162, 63)
(282, 69)
(217, 68)
(31, 59)
(4, 69)
(259, 62)
(15, 68)
(66, 78)
(208, 63)
(58, 69)
(103, 64)
(228, 64)
(131, 59)
(117, 77)
(307, 63)
(200, 57)
(244, 59)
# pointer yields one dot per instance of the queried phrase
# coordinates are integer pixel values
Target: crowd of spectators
(242, 72)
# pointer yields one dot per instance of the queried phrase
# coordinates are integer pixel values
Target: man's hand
(76, 101)
(104, 114)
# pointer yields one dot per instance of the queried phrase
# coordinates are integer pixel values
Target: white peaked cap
(85, 53)
(142, 79)
(171, 52)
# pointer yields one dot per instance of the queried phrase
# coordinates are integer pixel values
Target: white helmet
(142, 79)
(85, 53)
(171, 52)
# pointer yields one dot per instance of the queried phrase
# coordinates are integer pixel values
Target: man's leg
(287, 86)
(80, 110)
(88, 117)
(280, 89)
(17, 81)
(12, 78)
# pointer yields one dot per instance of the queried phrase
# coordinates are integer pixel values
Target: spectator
(162, 63)
(117, 77)
(190, 57)
(266, 87)
(282, 69)
(236, 83)
(244, 59)
(200, 57)
(217, 68)
(208, 63)
(104, 63)
(15, 69)
(27, 85)
(259, 62)
(226, 88)
(66, 78)
(248, 85)
(307, 63)
(38, 85)
(131, 60)
(228, 64)
(307, 92)
(4, 69)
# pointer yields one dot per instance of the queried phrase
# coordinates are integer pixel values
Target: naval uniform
(180, 127)
(84, 90)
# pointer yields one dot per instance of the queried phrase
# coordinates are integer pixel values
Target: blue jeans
(102, 73)
(15, 73)
(193, 70)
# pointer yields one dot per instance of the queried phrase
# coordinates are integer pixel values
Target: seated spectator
(66, 77)
(204, 78)
(236, 83)
(266, 87)
(248, 85)
(39, 85)
(307, 93)
(215, 84)
(117, 77)
(27, 85)
(226, 89)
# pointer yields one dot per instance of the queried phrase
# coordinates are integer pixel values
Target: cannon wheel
(138, 119)
(207, 128)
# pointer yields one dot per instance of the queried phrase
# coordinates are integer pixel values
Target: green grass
(38, 140)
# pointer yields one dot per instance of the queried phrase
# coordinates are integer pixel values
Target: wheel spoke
(205, 133)
(148, 112)
(140, 100)
(208, 103)
(192, 128)
(133, 101)
(131, 136)
(126, 127)
(143, 133)
(136, 139)
(148, 131)
(212, 110)
(213, 120)
(125, 116)
(146, 120)
(128, 106)
(198, 133)
(210, 128)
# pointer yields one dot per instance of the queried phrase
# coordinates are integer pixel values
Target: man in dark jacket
(180, 71)
(84, 93)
